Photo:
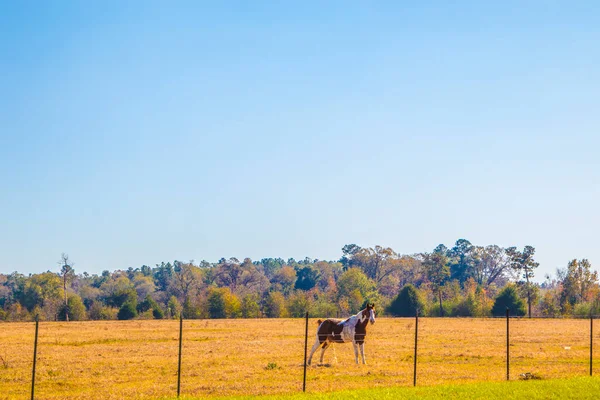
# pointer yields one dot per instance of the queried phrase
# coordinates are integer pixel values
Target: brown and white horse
(353, 329)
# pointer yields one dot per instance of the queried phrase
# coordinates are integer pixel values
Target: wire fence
(221, 357)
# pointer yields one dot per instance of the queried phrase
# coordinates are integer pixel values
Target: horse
(353, 329)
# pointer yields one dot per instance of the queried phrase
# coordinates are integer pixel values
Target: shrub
(75, 308)
(250, 307)
(406, 303)
(99, 312)
(508, 298)
(158, 313)
(434, 309)
(127, 311)
(150, 304)
(191, 310)
(466, 307)
(324, 308)
(298, 304)
(173, 307)
(586, 309)
(216, 303)
(275, 305)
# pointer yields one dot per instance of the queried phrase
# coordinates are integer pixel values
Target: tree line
(463, 280)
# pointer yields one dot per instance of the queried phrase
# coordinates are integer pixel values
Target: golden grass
(138, 359)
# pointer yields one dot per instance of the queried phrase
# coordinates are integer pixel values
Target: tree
(377, 263)
(437, 272)
(306, 278)
(187, 278)
(523, 263)
(274, 305)
(216, 303)
(250, 307)
(407, 303)
(577, 281)
(284, 279)
(127, 310)
(67, 274)
(462, 262)
(173, 307)
(508, 298)
(74, 309)
(348, 253)
(354, 288)
(490, 264)
(150, 304)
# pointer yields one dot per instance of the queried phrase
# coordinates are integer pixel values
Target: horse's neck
(360, 318)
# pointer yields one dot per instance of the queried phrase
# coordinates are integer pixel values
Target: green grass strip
(572, 388)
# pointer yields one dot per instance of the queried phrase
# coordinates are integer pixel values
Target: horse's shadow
(324, 365)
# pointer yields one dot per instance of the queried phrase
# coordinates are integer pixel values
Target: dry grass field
(138, 359)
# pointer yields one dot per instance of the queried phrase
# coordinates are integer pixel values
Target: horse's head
(370, 312)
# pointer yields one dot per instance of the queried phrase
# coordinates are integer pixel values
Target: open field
(138, 359)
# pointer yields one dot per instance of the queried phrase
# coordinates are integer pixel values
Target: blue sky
(136, 133)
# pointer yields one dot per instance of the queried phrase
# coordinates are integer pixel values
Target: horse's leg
(314, 348)
(362, 352)
(334, 355)
(325, 346)
(355, 351)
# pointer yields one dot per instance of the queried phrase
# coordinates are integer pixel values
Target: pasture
(138, 359)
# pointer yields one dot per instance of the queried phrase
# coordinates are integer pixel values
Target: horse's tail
(319, 322)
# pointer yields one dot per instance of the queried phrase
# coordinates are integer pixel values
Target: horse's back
(330, 329)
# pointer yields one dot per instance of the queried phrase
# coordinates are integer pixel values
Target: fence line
(508, 317)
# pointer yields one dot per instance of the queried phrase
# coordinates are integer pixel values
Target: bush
(191, 310)
(127, 311)
(99, 312)
(75, 308)
(216, 303)
(298, 304)
(586, 309)
(150, 304)
(406, 303)
(158, 313)
(466, 307)
(173, 307)
(508, 298)
(324, 308)
(275, 305)
(250, 307)
(434, 309)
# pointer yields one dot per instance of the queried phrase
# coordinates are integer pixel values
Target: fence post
(179, 363)
(591, 342)
(37, 322)
(507, 344)
(415, 357)
(305, 353)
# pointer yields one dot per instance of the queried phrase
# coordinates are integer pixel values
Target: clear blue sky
(132, 134)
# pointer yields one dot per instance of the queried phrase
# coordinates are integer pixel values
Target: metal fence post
(507, 344)
(305, 353)
(591, 343)
(416, 338)
(179, 363)
(35, 343)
